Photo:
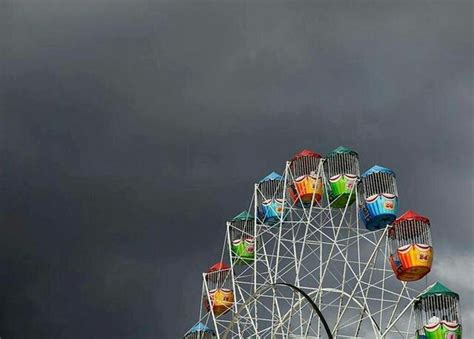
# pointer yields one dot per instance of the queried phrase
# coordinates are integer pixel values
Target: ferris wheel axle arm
(313, 304)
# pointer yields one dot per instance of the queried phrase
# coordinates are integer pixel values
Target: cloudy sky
(131, 130)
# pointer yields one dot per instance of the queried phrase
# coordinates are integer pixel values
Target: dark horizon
(131, 131)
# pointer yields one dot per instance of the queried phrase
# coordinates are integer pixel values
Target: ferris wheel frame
(243, 303)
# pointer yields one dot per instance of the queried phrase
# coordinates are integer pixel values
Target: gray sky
(131, 130)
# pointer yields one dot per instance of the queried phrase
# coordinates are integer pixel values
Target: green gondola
(342, 167)
(438, 313)
(242, 240)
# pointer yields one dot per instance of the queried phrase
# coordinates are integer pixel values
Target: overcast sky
(131, 131)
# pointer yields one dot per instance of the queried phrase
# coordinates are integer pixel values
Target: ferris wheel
(319, 252)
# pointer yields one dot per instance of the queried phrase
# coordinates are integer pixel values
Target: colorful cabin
(411, 249)
(270, 199)
(342, 167)
(200, 331)
(378, 197)
(305, 180)
(242, 241)
(438, 314)
(220, 296)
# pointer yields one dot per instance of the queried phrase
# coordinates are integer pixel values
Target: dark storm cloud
(132, 130)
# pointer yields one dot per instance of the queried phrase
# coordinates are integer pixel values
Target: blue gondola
(378, 197)
(200, 331)
(270, 200)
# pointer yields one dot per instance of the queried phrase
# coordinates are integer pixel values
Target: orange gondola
(306, 184)
(411, 250)
(220, 296)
